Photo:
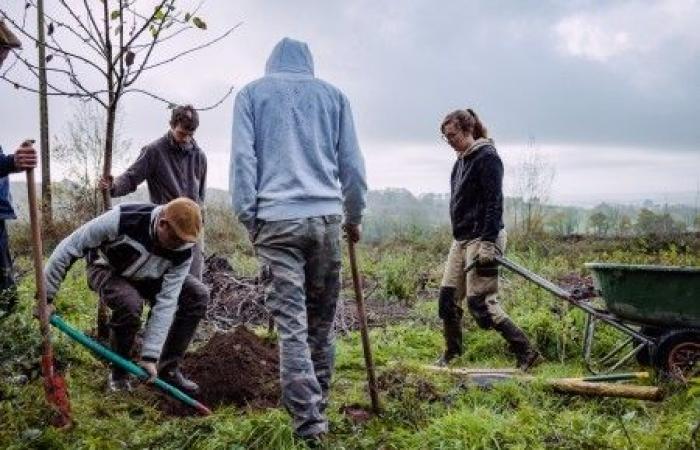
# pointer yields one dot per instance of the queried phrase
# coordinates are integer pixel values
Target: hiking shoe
(529, 360)
(118, 383)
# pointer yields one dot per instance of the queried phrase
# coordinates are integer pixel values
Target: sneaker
(531, 359)
(119, 383)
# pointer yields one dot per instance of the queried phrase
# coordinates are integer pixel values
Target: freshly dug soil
(233, 368)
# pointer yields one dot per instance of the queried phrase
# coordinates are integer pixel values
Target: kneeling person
(138, 253)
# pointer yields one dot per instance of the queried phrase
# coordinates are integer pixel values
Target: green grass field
(422, 409)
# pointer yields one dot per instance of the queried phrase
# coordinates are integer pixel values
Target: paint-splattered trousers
(300, 264)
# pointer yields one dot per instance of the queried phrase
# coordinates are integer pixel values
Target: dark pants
(8, 289)
(126, 299)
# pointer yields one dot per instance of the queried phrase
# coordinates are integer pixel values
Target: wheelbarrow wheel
(678, 354)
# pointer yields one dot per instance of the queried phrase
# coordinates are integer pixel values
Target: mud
(234, 368)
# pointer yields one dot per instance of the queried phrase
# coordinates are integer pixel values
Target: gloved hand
(150, 368)
(486, 253)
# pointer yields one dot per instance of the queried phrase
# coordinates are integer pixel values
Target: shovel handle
(367, 349)
(38, 257)
(123, 363)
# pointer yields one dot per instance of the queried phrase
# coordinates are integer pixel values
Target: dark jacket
(476, 200)
(7, 166)
(124, 240)
(170, 171)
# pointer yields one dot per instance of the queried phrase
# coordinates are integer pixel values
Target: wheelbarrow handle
(125, 364)
(538, 280)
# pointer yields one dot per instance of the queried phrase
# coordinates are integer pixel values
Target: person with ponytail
(476, 214)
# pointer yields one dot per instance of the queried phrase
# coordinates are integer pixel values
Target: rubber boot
(179, 338)
(452, 326)
(121, 341)
(519, 344)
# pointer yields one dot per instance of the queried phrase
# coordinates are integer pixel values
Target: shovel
(357, 284)
(55, 386)
(123, 363)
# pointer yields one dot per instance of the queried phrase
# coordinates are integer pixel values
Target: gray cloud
(604, 76)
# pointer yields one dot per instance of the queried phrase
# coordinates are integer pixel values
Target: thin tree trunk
(46, 209)
(102, 309)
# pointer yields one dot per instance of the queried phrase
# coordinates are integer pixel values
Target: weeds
(423, 410)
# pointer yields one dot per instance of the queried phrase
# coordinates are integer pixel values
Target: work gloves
(486, 254)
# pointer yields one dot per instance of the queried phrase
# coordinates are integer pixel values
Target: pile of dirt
(233, 368)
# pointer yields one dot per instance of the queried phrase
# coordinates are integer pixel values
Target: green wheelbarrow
(656, 308)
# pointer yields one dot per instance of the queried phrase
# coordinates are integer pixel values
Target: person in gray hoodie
(296, 168)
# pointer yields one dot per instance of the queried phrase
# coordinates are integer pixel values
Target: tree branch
(57, 92)
(35, 40)
(138, 73)
(169, 102)
(193, 49)
(146, 23)
(138, 47)
(81, 25)
(33, 69)
(91, 16)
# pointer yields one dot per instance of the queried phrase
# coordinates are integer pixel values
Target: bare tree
(80, 151)
(534, 178)
(98, 51)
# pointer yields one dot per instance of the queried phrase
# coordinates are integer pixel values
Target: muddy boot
(179, 337)
(519, 344)
(452, 331)
(121, 340)
(118, 381)
(531, 359)
(451, 317)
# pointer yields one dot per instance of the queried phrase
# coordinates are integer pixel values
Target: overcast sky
(609, 91)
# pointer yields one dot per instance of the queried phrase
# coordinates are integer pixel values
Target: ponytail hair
(468, 121)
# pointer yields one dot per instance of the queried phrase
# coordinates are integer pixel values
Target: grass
(422, 409)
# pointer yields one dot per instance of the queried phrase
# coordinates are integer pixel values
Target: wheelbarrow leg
(597, 367)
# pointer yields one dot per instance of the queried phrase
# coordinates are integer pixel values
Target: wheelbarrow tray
(663, 296)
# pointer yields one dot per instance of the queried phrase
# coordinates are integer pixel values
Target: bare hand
(105, 183)
(151, 370)
(353, 232)
(25, 156)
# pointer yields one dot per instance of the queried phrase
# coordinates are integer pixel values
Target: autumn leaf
(199, 23)
(50, 29)
(115, 14)
(129, 58)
